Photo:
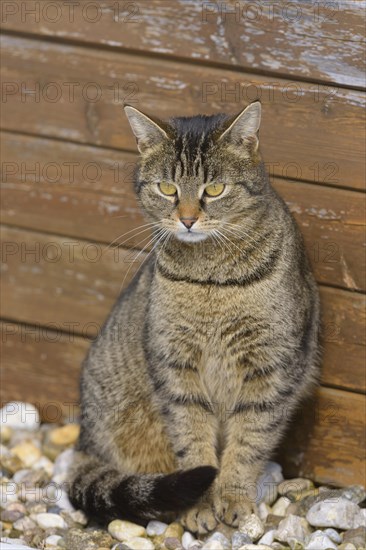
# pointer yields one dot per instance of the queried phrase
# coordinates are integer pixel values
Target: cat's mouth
(191, 236)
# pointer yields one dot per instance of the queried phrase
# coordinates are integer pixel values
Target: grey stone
(292, 527)
(171, 543)
(11, 515)
(239, 539)
(217, 541)
(319, 541)
(342, 514)
(333, 535)
(252, 526)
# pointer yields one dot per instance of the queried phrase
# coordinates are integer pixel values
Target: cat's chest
(220, 378)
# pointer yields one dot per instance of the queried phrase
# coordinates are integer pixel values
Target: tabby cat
(181, 412)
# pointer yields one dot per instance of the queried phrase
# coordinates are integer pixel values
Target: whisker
(154, 238)
(147, 227)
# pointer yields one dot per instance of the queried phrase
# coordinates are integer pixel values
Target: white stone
(292, 527)
(341, 514)
(125, 530)
(267, 538)
(267, 483)
(263, 511)
(62, 500)
(52, 540)
(187, 540)
(46, 521)
(17, 414)
(64, 462)
(217, 541)
(252, 526)
(24, 524)
(13, 544)
(45, 464)
(140, 543)
(27, 452)
(333, 535)
(155, 528)
(280, 507)
(319, 541)
(255, 547)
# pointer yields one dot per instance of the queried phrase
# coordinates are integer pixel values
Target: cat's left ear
(148, 132)
(244, 128)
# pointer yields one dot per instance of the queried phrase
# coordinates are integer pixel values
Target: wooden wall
(68, 156)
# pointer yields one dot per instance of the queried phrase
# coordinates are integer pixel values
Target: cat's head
(198, 175)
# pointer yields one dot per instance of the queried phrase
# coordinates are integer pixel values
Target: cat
(180, 414)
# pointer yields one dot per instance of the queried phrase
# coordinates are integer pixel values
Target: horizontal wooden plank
(325, 443)
(76, 94)
(315, 40)
(86, 192)
(71, 285)
(41, 366)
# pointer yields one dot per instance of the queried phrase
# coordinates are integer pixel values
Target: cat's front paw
(200, 519)
(232, 511)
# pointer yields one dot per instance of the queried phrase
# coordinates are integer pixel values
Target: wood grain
(86, 192)
(41, 366)
(54, 282)
(311, 40)
(325, 442)
(76, 94)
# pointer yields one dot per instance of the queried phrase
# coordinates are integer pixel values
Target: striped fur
(224, 339)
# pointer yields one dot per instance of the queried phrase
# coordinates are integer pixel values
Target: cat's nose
(188, 222)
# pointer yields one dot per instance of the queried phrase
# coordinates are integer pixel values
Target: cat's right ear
(148, 133)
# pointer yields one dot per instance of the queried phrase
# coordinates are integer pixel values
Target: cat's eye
(214, 189)
(167, 188)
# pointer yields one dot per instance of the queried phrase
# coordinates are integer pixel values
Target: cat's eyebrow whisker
(147, 227)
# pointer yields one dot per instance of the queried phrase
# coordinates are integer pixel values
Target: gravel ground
(36, 513)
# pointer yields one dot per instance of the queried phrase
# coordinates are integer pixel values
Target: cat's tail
(105, 494)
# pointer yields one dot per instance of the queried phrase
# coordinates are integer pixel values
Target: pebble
(279, 509)
(342, 514)
(239, 539)
(348, 546)
(319, 541)
(20, 415)
(187, 539)
(174, 530)
(333, 535)
(172, 543)
(292, 527)
(27, 452)
(217, 541)
(46, 521)
(154, 528)
(268, 537)
(296, 485)
(356, 537)
(125, 530)
(252, 526)
(267, 483)
(11, 515)
(24, 524)
(66, 435)
(255, 547)
(140, 543)
(263, 511)
(52, 540)
(5, 433)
